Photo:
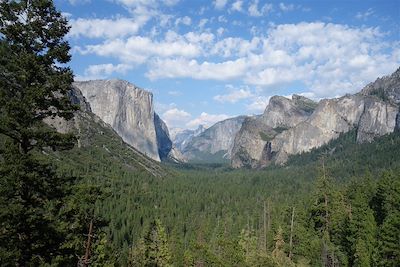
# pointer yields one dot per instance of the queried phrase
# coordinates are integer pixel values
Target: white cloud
(175, 117)
(105, 28)
(184, 20)
(365, 15)
(237, 6)
(235, 47)
(138, 49)
(206, 120)
(255, 12)
(102, 71)
(285, 8)
(76, 2)
(175, 93)
(328, 59)
(235, 95)
(174, 68)
(219, 4)
(258, 104)
(203, 23)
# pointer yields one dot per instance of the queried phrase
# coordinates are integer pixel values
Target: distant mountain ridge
(214, 143)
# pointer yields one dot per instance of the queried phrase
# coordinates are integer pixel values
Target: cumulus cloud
(138, 49)
(288, 7)
(255, 12)
(174, 68)
(206, 120)
(330, 59)
(102, 71)
(105, 28)
(258, 104)
(175, 117)
(237, 6)
(183, 20)
(365, 15)
(219, 4)
(234, 95)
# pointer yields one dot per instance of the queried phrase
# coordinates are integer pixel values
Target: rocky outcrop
(253, 140)
(370, 116)
(166, 149)
(372, 113)
(127, 108)
(218, 139)
(386, 88)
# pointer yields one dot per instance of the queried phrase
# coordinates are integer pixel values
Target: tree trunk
(291, 236)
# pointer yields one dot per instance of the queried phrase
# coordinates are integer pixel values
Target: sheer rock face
(217, 138)
(166, 149)
(255, 135)
(128, 109)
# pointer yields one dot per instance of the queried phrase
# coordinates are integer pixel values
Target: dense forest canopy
(101, 203)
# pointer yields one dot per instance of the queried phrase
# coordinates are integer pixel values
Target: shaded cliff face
(216, 141)
(166, 149)
(253, 140)
(128, 109)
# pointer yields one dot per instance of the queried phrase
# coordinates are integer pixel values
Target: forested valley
(86, 198)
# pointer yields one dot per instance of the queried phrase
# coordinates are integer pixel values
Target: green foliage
(153, 249)
(266, 137)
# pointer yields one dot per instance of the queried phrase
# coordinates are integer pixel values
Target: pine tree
(33, 86)
(387, 211)
(153, 250)
(361, 227)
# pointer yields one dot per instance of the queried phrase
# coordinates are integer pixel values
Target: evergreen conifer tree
(33, 86)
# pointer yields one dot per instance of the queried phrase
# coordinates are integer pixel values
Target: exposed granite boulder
(127, 108)
(218, 138)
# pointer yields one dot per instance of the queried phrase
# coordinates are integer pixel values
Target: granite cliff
(129, 111)
(253, 140)
(294, 126)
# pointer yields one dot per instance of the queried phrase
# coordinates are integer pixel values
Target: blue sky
(206, 61)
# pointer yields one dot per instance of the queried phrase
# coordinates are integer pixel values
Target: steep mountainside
(372, 113)
(166, 149)
(99, 144)
(252, 143)
(128, 109)
(181, 137)
(216, 141)
(130, 112)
